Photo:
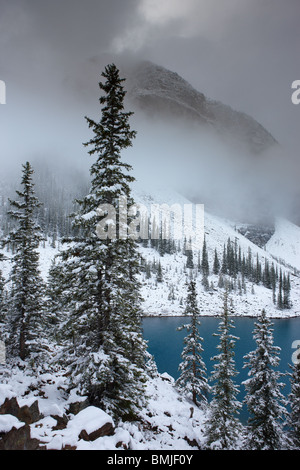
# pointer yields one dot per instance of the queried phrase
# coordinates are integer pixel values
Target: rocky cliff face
(156, 91)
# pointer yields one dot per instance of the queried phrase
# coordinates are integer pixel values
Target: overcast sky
(242, 52)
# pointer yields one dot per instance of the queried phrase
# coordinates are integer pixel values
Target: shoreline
(275, 317)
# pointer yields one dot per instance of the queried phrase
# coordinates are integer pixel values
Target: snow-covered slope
(167, 297)
(285, 243)
(165, 424)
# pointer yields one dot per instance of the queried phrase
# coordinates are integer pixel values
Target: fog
(243, 53)
(228, 181)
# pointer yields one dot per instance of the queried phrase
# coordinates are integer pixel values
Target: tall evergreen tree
(286, 288)
(204, 261)
(107, 349)
(273, 282)
(27, 289)
(230, 257)
(222, 428)
(224, 267)
(258, 271)
(267, 276)
(280, 304)
(205, 266)
(3, 302)
(293, 420)
(2, 288)
(216, 266)
(159, 276)
(190, 259)
(192, 380)
(264, 400)
(199, 262)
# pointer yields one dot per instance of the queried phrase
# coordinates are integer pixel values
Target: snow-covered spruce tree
(192, 381)
(286, 287)
(107, 351)
(205, 266)
(216, 266)
(26, 302)
(55, 299)
(223, 430)
(293, 420)
(3, 304)
(264, 400)
(2, 290)
(159, 275)
(204, 261)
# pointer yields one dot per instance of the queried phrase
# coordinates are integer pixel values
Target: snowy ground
(285, 243)
(164, 424)
(158, 301)
(283, 249)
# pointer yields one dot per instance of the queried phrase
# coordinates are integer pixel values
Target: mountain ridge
(157, 91)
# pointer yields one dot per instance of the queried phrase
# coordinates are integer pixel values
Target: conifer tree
(224, 267)
(3, 302)
(204, 261)
(161, 243)
(273, 283)
(190, 260)
(258, 270)
(239, 262)
(205, 266)
(267, 276)
(286, 288)
(230, 257)
(159, 276)
(293, 420)
(216, 266)
(249, 265)
(192, 380)
(26, 308)
(2, 289)
(107, 348)
(280, 292)
(264, 399)
(222, 428)
(199, 262)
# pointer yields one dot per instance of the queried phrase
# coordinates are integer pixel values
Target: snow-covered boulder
(7, 422)
(91, 423)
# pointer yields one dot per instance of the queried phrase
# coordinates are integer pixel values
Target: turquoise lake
(165, 343)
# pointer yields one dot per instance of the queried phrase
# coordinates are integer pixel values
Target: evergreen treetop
(192, 380)
(26, 296)
(264, 399)
(223, 428)
(102, 291)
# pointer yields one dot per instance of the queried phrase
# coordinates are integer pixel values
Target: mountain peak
(159, 92)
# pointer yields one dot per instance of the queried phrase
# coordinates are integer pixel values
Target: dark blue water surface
(165, 343)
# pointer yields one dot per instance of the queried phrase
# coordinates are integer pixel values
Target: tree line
(270, 425)
(233, 267)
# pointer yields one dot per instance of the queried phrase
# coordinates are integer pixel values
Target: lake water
(165, 343)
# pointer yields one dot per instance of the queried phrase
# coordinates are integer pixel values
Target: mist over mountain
(204, 149)
(162, 93)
